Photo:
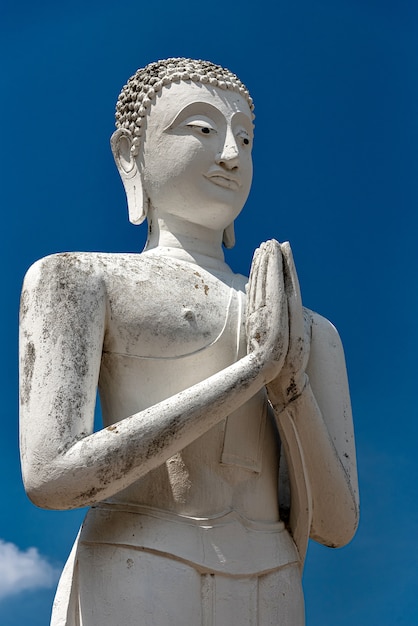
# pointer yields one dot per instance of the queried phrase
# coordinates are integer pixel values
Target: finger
(275, 289)
(257, 279)
(293, 287)
(252, 283)
(276, 300)
(252, 279)
(261, 283)
(295, 310)
(308, 321)
(270, 280)
(274, 271)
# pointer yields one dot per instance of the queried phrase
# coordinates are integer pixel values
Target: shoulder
(62, 267)
(81, 269)
(80, 280)
(62, 282)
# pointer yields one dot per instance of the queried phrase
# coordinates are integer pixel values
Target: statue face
(196, 159)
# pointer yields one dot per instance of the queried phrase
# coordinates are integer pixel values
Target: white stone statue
(227, 438)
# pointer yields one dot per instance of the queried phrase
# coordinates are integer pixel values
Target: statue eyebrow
(241, 118)
(194, 108)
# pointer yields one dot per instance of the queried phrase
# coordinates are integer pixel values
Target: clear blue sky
(336, 158)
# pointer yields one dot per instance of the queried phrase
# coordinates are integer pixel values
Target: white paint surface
(183, 478)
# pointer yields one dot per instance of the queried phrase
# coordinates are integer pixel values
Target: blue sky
(336, 157)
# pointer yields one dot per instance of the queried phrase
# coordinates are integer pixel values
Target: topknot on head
(141, 89)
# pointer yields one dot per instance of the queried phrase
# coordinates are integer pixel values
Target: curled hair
(140, 91)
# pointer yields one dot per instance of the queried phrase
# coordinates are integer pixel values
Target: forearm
(103, 463)
(334, 505)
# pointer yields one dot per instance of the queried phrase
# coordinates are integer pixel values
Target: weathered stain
(65, 408)
(24, 303)
(188, 315)
(114, 467)
(28, 367)
(88, 497)
(292, 388)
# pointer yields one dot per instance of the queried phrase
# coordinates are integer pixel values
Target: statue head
(135, 104)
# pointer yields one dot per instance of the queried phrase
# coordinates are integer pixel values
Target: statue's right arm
(65, 464)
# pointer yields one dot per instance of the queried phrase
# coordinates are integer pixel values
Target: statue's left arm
(311, 402)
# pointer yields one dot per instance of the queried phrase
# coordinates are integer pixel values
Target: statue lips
(224, 179)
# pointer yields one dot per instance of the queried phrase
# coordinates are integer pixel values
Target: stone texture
(227, 434)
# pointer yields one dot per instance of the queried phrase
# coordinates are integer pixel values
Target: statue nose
(229, 156)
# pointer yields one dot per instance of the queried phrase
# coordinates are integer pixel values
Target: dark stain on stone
(292, 388)
(28, 366)
(24, 303)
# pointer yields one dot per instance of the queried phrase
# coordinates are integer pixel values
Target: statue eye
(201, 127)
(245, 140)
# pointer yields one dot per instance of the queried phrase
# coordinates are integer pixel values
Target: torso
(171, 324)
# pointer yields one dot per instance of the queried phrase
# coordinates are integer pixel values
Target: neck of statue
(172, 236)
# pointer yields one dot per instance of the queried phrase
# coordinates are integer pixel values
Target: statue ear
(229, 236)
(121, 143)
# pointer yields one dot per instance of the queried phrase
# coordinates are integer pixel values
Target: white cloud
(23, 570)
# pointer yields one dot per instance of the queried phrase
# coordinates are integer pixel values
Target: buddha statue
(227, 436)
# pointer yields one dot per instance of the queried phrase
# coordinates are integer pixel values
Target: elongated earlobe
(121, 143)
(137, 200)
(229, 236)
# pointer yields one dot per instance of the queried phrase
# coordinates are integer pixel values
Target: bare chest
(169, 310)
